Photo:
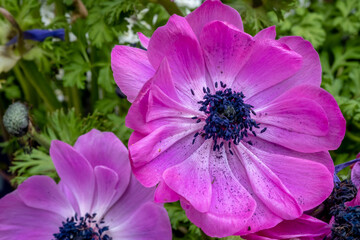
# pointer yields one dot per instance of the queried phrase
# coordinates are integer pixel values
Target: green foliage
(27, 163)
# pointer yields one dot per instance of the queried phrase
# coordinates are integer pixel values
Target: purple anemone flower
(235, 127)
(39, 35)
(97, 197)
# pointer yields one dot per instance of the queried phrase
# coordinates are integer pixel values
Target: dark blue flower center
(347, 223)
(228, 117)
(83, 228)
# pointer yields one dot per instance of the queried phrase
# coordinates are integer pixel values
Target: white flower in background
(188, 3)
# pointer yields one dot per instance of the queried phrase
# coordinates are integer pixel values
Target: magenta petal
(267, 185)
(75, 173)
(42, 192)
(144, 40)
(298, 114)
(355, 175)
(131, 69)
(108, 189)
(133, 198)
(304, 228)
(149, 222)
(304, 142)
(231, 204)
(164, 194)
(316, 181)
(18, 221)
(269, 60)
(164, 100)
(159, 141)
(177, 42)
(191, 178)
(310, 72)
(212, 10)
(226, 50)
(150, 173)
(267, 33)
(105, 149)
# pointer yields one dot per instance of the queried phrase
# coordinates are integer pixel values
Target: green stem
(94, 92)
(25, 86)
(43, 141)
(41, 85)
(76, 102)
(170, 7)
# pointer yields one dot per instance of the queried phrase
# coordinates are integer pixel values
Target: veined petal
(267, 186)
(191, 178)
(270, 63)
(226, 50)
(131, 69)
(309, 73)
(144, 40)
(300, 115)
(212, 10)
(177, 42)
(19, 221)
(41, 192)
(303, 142)
(304, 228)
(75, 173)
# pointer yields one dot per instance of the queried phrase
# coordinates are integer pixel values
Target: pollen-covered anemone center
(228, 117)
(82, 228)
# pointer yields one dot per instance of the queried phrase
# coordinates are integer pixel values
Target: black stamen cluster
(229, 117)
(79, 229)
(344, 191)
(347, 223)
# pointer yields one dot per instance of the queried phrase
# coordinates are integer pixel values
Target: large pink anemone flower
(97, 197)
(235, 127)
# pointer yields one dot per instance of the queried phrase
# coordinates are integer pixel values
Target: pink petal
(355, 175)
(163, 98)
(133, 198)
(151, 173)
(192, 179)
(212, 10)
(164, 194)
(18, 221)
(41, 192)
(162, 138)
(267, 33)
(231, 204)
(177, 42)
(304, 227)
(144, 40)
(149, 222)
(226, 50)
(310, 72)
(304, 142)
(131, 69)
(316, 181)
(270, 63)
(75, 173)
(107, 189)
(300, 115)
(267, 185)
(272, 148)
(105, 149)
(263, 217)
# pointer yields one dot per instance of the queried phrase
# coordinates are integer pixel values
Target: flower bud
(16, 119)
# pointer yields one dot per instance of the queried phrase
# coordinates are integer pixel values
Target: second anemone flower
(97, 197)
(235, 127)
